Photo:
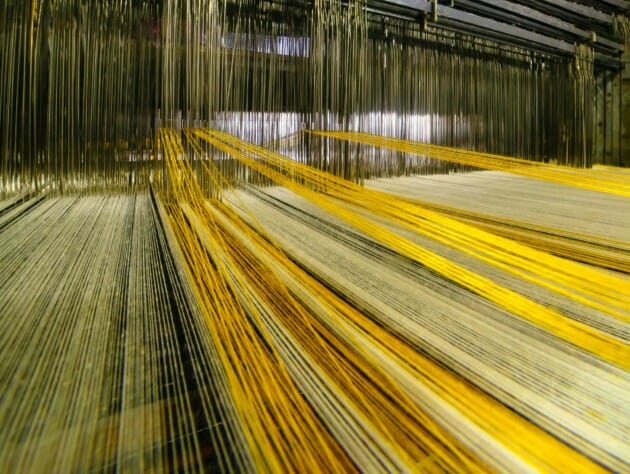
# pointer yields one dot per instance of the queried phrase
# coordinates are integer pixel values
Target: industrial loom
(314, 236)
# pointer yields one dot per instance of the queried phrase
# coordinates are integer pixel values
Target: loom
(314, 236)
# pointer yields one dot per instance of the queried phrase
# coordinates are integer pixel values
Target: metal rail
(551, 26)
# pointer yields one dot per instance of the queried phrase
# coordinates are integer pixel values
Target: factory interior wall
(612, 116)
(625, 110)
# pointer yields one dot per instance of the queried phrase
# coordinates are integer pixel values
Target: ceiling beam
(488, 24)
(510, 22)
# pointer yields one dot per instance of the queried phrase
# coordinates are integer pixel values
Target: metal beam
(538, 16)
(619, 4)
(608, 62)
(421, 5)
(468, 22)
(585, 11)
(504, 28)
(613, 45)
(487, 24)
(509, 11)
